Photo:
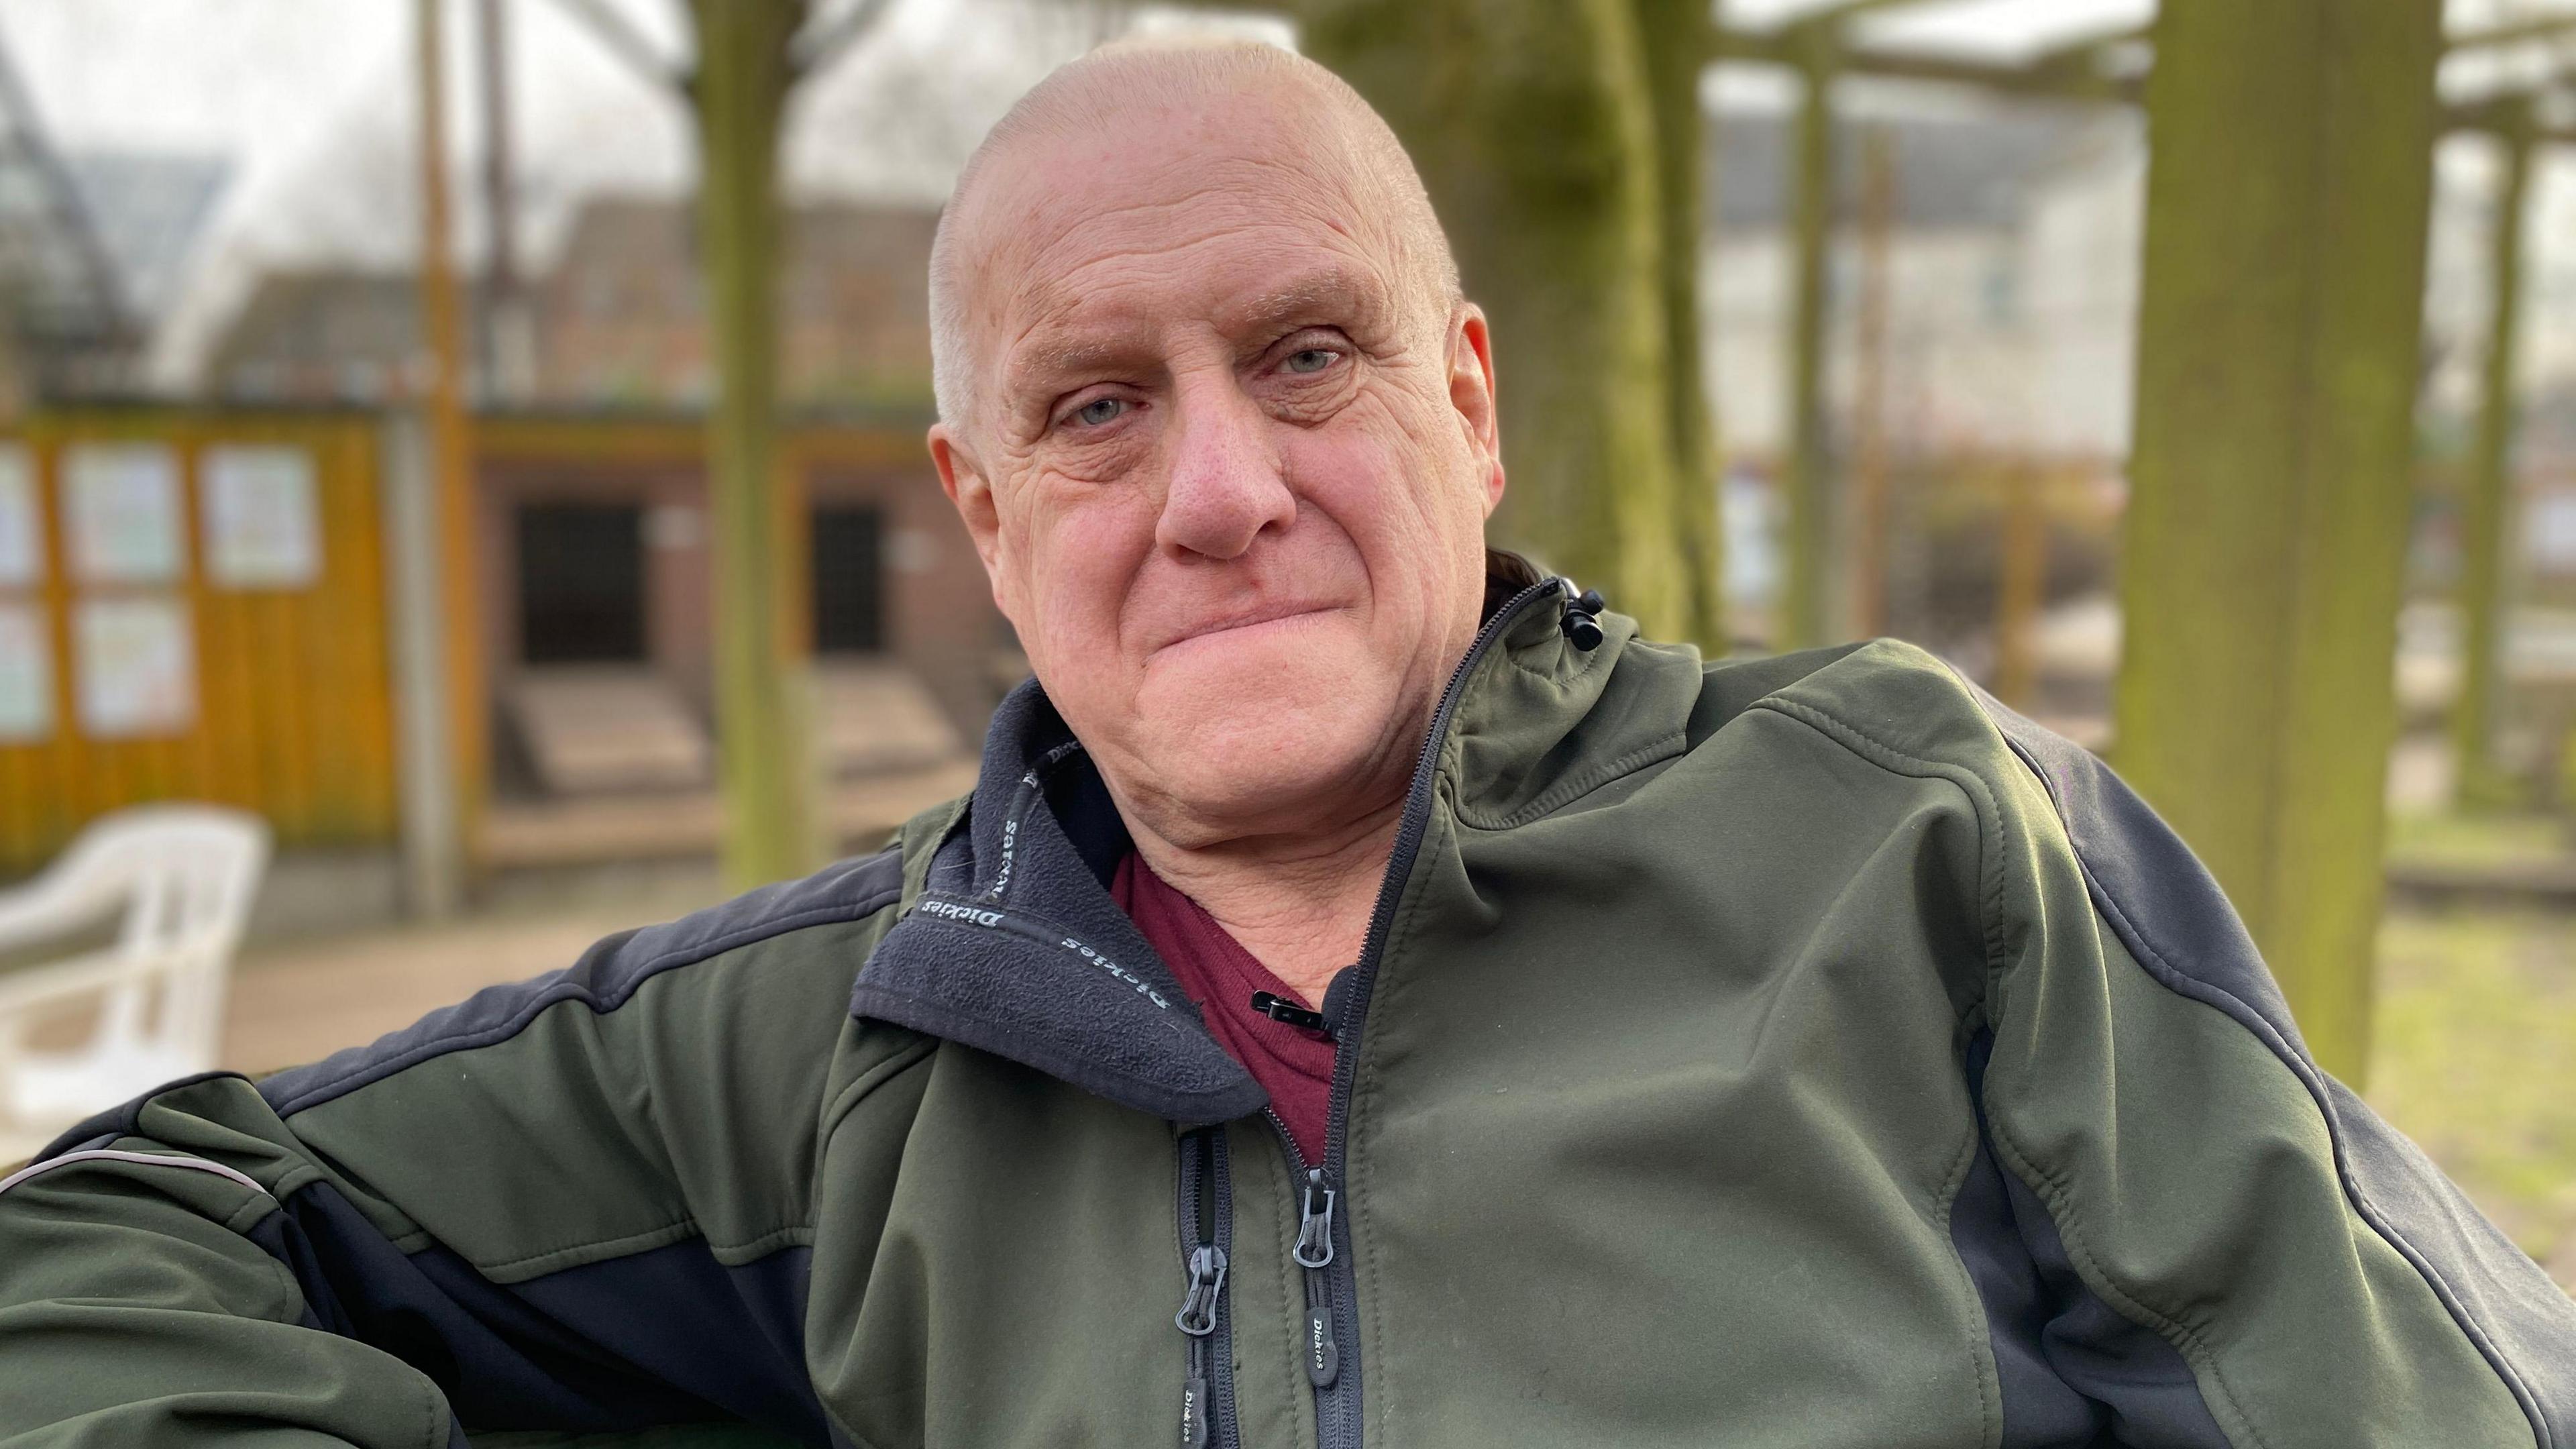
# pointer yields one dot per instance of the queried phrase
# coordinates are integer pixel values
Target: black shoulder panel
(568, 1351)
(603, 979)
(2170, 914)
(2069, 1367)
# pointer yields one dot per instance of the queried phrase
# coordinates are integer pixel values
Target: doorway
(581, 583)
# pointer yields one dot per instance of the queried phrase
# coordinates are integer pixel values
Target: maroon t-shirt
(1294, 1065)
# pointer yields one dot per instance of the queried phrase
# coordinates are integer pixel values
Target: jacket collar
(1011, 944)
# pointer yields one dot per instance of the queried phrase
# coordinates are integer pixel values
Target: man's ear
(961, 477)
(1471, 392)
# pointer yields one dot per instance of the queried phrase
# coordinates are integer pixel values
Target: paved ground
(301, 1002)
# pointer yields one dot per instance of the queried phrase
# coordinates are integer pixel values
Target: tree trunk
(2279, 319)
(1531, 125)
(762, 690)
(2484, 589)
(1677, 37)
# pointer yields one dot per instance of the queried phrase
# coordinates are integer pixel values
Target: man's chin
(1254, 739)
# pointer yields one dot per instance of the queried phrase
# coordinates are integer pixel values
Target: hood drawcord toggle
(1581, 616)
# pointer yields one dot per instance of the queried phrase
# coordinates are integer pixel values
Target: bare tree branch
(619, 35)
(825, 41)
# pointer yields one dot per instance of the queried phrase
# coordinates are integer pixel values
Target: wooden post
(451, 448)
(1869, 407)
(2484, 597)
(1802, 622)
(2279, 322)
(2021, 577)
(772, 823)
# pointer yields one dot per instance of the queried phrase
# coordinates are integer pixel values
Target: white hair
(1165, 70)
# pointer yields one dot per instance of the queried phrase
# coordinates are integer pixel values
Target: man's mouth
(1247, 619)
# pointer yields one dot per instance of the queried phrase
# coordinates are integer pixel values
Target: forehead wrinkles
(1168, 209)
(1062, 221)
(1240, 240)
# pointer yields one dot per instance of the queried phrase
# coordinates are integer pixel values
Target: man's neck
(1301, 906)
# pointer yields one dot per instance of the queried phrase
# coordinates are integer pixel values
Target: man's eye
(1100, 410)
(1311, 359)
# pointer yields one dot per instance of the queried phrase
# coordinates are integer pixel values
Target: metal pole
(2488, 497)
(424, 747)
(451, 450)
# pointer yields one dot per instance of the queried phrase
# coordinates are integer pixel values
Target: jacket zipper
(1207, 1224)
(1323, 1219)
(1322, 1248)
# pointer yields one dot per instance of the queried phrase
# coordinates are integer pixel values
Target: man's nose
(1226, 482)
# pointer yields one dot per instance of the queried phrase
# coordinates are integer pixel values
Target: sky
(311, 104)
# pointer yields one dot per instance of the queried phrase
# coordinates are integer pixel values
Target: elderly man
(1371, 997)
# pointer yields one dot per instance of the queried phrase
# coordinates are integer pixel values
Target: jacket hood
(1011, 943)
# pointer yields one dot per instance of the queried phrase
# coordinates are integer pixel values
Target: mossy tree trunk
(772, 826)
(1677, 36)
(1532, 125)
(2279, 321)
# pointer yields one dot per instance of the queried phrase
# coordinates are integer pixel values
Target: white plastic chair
(177, 882)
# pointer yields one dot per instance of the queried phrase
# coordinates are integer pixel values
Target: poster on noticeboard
(22, 521)
(121, 520)
(136, 667)
(261, 524)
(26, 675)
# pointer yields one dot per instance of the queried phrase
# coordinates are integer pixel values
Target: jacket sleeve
(577, 1204)
(2187, 1235)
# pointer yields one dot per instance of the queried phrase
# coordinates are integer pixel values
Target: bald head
(1222, 431)
(1193, 93)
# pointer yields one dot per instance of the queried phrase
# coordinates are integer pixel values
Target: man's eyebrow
(1048, 355)
(1052, 353)
(1334, 293)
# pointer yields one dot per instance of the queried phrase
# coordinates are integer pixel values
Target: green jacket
(1798, 1052)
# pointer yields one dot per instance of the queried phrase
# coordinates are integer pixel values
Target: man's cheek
(1366, 484)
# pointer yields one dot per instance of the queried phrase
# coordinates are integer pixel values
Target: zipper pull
(1314, 1253)
(1197, 1317)
(1315, 1222)
(1323, 1356)
(1280, 1009)
(1194, 1411)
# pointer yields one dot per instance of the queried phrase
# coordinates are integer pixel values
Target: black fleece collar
(1015, 947)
